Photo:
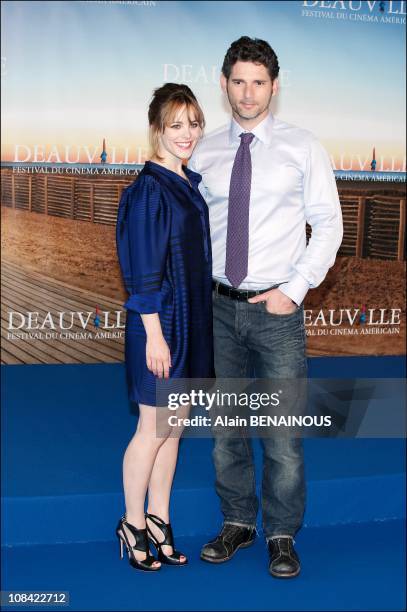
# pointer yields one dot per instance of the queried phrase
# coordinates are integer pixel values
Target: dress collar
(262, 131)
(194, 177)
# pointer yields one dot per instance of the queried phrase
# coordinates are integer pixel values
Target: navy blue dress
(164, 251)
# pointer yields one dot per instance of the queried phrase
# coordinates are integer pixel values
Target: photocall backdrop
(77, 78)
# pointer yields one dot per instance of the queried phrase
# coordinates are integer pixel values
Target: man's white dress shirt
(292, 183)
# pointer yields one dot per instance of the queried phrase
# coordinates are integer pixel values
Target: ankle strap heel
(166, 530)
(141, 544)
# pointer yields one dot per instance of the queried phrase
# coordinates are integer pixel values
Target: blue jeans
(247, 337)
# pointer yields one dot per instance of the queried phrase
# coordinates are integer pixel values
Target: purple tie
(237, 241)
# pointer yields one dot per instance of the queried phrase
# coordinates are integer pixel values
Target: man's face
(249, 89)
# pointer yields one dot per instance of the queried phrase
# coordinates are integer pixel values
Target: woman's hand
(158, 357)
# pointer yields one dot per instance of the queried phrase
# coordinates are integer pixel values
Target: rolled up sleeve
(142, 238)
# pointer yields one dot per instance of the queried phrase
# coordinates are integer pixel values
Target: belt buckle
(231, 292)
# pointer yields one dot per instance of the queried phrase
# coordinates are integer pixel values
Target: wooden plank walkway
(25, 291)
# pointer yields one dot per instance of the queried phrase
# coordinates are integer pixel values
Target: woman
(164, 251)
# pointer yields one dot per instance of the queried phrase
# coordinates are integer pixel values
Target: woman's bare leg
(138, 462)
(162, 475)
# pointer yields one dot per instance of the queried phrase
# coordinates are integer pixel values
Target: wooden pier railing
(374, 224)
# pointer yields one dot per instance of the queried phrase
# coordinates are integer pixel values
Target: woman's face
(180, 136)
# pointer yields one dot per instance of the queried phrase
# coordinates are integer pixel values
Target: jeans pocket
(281, 316)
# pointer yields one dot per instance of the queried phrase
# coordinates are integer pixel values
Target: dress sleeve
(142, 237)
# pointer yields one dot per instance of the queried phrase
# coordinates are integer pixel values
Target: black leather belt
(237, 294)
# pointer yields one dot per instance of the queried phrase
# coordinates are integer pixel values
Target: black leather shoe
(284, 561)
(230, 539)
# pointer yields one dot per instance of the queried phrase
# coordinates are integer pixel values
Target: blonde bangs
(168, 112)
(174, 108)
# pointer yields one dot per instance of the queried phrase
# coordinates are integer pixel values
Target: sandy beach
(83, 254)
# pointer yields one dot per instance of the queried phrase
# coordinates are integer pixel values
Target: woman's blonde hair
(165, 104)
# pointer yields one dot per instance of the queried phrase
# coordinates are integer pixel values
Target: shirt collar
(262, 131)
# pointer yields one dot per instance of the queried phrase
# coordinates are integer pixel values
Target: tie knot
(246, 137)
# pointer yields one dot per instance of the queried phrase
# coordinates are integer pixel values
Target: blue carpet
(63, 443)
(353, 567)
(64, 431)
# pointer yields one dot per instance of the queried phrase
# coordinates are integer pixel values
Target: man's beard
(243, 116)
(248, 116)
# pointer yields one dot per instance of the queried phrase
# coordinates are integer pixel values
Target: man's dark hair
(247, 49)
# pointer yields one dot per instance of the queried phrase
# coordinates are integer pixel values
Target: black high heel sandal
(141, 544)
(166, 530)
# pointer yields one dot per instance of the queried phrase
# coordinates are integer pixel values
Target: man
(263, 179)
